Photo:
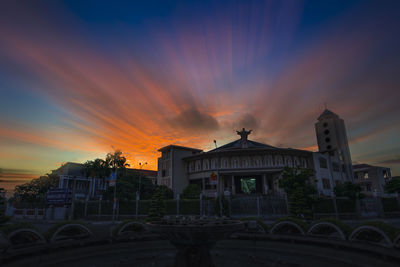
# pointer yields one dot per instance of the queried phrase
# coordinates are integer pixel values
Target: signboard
(59, 196)
(213, 178)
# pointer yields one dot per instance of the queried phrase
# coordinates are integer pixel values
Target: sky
(79, 79)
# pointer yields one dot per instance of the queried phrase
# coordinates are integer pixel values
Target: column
(203, 184)
(265, 184)
(233, 185)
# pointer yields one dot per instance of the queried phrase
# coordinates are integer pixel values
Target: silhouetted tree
(348, 189)
(299, 189)
(393, 186)
(35, 190)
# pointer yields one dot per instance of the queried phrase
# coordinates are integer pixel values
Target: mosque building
(248, 167)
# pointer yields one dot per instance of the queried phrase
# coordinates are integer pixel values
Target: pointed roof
(327, 113)
(242, 144)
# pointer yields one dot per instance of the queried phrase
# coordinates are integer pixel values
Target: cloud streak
(193, 78)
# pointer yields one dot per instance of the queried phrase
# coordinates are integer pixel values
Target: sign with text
(59, 196)
(213, 178)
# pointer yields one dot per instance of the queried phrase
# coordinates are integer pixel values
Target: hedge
(390, 204)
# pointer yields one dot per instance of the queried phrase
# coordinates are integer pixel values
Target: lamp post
(140, 177)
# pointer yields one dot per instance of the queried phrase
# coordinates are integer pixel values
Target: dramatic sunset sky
(81, 78)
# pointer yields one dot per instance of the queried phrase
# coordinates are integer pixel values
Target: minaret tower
(332, 139)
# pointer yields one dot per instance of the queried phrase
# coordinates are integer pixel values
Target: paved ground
(227, 253)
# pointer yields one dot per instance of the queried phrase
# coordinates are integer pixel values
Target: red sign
(213, 178)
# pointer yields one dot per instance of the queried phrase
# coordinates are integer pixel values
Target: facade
(328, 172)
(245, 166)
(172, 168)
(372, 179)
(86, 186)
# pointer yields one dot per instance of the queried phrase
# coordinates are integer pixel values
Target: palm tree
(97, 168)
(116, 161)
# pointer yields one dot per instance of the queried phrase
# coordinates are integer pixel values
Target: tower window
(327, 139)
(329, 147)
(326, 132)
(325, 124)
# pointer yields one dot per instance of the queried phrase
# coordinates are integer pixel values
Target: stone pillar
(233, 185)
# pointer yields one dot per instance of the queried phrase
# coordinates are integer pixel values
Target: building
(372, 179)
(332, 139)
(245, 166)
(171, 165)
(328, 172)
(84, 186)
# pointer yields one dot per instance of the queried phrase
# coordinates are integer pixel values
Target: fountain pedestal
(195, 239)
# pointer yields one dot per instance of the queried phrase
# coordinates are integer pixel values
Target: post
(137, 204)
(287, 203)
(335, 207)
(201, 204)
(99, 213)
(177, 204)
(115, 197)
(86, 206)
(71, 212)
(381, 212)
(258, 206)
(358, 208)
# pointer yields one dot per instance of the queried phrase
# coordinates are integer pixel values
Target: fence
(237, 206)
(127, 209)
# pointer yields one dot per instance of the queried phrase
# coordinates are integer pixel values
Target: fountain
(194, 237)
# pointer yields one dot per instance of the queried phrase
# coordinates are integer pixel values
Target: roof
(242, 144)
(147, 173)
(327, 113)
(360, 166)
(71, 169)
(179, 147)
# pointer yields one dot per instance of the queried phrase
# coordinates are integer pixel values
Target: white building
(245, 166)
(372, 179)
(72, 172)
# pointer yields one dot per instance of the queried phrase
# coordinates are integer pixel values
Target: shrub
(189, 206)
(390, 205)
(157, 206)
(348, 189)
(191, 191)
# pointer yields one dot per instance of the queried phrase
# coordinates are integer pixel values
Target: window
(326, 132)
(326, 184)
(335, 167)
(327, 139)
(329, 147)
(323, 163)
(365, 175)
(325, 124)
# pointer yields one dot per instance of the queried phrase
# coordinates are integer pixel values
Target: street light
(140, 177)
